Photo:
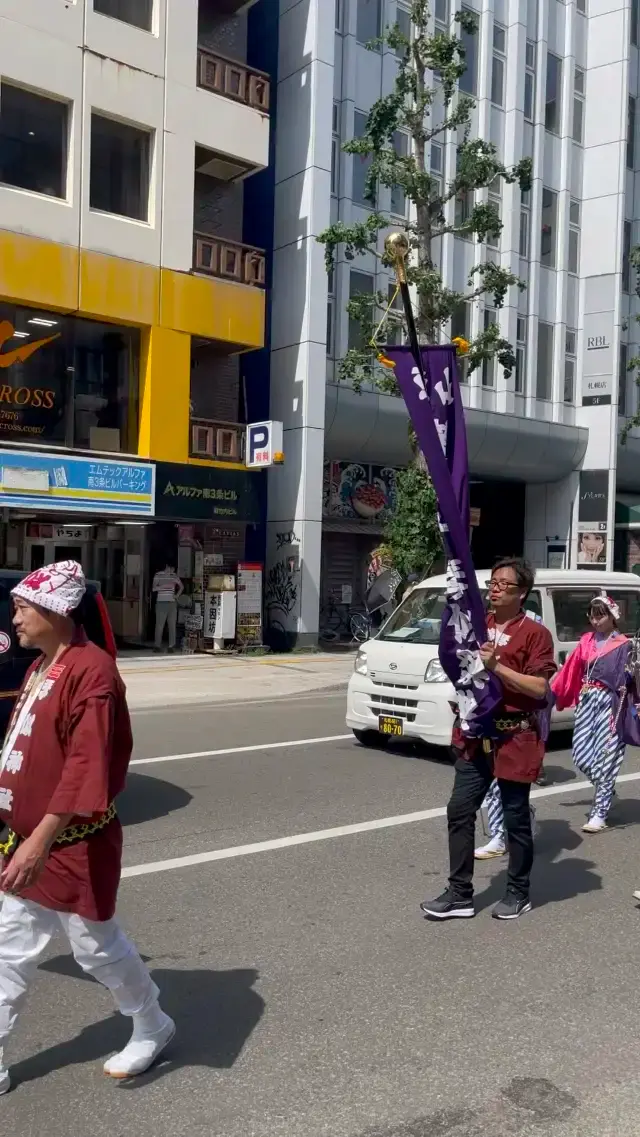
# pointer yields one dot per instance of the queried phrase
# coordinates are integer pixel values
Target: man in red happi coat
(63, 763)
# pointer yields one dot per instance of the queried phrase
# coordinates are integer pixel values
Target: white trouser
(100, 949)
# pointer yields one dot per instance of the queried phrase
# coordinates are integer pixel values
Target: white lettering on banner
(471, 667)
(6, 799)
(461, 624)
(14, 762)
(467, 704)
(444, 389)
(456, 583)
(419, 382)
(27, 725)
(441, 428)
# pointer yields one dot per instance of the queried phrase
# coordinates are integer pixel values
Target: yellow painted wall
(168, 306)
(165, 388)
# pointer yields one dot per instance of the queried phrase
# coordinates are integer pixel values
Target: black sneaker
(447, 907)
(511, 907)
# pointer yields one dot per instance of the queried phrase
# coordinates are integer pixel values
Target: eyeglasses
(501, 585)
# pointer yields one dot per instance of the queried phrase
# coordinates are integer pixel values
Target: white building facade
(555, 80)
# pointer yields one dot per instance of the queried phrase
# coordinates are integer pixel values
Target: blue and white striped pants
(598, 751)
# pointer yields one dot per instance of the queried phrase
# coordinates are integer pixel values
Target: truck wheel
(369, 738)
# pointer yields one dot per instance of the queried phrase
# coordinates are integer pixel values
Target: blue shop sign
(73, 484)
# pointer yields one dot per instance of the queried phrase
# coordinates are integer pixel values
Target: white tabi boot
(5, 1080)
(152, 1032)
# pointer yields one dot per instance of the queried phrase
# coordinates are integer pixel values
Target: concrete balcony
(219, 441)
(232, 112)
(229, 260)
(234, 80)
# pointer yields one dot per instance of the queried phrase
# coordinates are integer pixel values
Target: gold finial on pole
(397, 249)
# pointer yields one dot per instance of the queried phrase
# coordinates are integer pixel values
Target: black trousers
(472, 780)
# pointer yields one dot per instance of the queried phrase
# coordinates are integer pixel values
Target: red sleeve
(540, 655)
(83, 788)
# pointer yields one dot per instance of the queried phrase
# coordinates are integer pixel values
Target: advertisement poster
(360, 492)
(592, 518)
(249, 626)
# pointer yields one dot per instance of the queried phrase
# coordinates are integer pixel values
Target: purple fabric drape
(437, 416)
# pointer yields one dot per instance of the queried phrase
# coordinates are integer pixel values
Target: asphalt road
(311, 998)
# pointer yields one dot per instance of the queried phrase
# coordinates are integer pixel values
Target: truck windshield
(417, 620)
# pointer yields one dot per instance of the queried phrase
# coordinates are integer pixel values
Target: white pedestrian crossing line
(241, 749)
(333, 833)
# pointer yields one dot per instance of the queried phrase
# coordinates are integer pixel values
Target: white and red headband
(58, 587)
(608, 603)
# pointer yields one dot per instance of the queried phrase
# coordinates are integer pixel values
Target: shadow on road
(215, 1014)
(146, 799)
(552, 880)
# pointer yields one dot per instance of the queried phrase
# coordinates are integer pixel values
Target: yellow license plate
(389, 725)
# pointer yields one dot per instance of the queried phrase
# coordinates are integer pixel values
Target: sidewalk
(168, 681)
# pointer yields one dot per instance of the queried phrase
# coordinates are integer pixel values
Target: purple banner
(437, 416)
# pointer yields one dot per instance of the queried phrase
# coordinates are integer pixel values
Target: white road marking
(331, 834)
(241, 749)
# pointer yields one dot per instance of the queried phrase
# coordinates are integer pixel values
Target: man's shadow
(551, 880)
(215, 1013)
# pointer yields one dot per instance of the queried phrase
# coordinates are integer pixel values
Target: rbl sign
(264, 444)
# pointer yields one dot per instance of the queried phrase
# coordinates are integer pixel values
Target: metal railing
(233, 79)
(229, 260)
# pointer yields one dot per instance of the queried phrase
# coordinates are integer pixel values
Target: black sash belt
(9, 839)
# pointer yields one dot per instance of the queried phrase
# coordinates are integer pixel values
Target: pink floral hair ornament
(609, 604)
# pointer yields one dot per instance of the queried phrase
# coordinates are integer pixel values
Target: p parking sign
(264, 444)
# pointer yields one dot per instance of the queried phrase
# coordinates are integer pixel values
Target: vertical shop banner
(593, 506)
(437, 416)
(249, 614)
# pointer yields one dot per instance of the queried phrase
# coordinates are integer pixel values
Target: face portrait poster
(592, 548)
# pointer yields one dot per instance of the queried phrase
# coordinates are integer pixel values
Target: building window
(120, 168)
(530, 81)
(626, 253)
(437, 167)
(136, 12)
(360, 284)
(578, 105)
(78, 387)
(331, 302)
(398, 196)
(544, 373)
(33, 141)
(549, 228)
(338, 13)
(631, 133)
(361, 164)
(368, 20)
(394, 334)
(469, 41)
(622, 380)
(463, 207)
(525, 230)
(581, 6)
(495, 199)
(553, 94)
(335, 150)
(570, 367)
(574, 237)
(442, 17)
(521, 355)
(635, 19)
(461, 327)
(489, 365)
(498, 64)
(403, 20)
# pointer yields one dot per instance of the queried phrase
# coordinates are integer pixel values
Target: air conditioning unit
(202, 441)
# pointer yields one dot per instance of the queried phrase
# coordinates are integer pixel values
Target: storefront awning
(628, 511)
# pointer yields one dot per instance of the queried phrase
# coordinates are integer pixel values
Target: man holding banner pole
(489, 674)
